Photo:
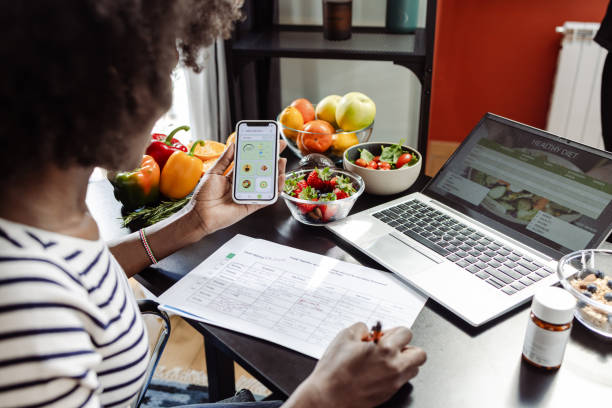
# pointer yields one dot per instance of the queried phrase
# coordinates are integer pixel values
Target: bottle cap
(553, 305)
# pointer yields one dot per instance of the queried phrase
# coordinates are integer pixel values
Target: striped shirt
(71, 334)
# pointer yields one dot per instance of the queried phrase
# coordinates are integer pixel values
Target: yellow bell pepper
(181, 173)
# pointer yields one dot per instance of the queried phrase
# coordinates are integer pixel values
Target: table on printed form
(466, 366)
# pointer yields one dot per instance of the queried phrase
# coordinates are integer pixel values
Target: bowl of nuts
(587, 274)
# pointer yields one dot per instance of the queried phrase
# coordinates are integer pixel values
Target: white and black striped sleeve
(46, 353)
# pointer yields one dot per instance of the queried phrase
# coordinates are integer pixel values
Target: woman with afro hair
(83, 82)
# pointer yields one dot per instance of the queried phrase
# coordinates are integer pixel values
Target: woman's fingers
(282, 166)
(281, 145)
(409, 362)
(396, 338)
(357, 331)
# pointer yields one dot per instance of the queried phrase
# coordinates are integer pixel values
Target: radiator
(575, 106)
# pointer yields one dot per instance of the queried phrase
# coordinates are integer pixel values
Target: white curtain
(207, 96)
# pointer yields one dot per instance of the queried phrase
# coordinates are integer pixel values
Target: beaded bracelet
(146, 246)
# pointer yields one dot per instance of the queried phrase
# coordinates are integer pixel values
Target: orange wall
(498, 56)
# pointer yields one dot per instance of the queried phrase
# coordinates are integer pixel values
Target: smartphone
(255, 176)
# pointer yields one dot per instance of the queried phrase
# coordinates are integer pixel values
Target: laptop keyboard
(482, 256)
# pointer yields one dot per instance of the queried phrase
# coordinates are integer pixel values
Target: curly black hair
(78, 76)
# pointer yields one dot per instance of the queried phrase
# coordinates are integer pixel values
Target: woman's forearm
(164, 238)
(310, 394)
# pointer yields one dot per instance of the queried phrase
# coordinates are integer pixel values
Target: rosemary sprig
(150, 215)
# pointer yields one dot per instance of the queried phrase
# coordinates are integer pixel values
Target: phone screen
(256, 161)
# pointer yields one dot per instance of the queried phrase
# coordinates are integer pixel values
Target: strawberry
(310, 194)
(344, 187)
(333, 182)
(329, 212)
(300, 186)
(319, 179)
(294, 185)
(340, 194)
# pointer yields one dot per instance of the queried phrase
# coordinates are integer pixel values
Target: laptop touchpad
(400, 256)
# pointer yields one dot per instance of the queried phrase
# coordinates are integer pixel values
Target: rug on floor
(171, 394)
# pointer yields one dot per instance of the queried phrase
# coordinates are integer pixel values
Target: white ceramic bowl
(382, 182)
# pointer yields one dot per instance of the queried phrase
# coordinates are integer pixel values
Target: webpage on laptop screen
(555, 193)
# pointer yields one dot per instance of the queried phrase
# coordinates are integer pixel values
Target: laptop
(489, 229)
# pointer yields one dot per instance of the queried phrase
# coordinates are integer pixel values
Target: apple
(326, 109)
(355, 111)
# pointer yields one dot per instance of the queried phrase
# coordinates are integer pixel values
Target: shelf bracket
(417, 68)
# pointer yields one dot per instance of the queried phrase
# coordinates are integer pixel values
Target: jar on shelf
(402, 16)
(337, 17)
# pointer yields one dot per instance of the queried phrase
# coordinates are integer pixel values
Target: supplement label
(544, 347)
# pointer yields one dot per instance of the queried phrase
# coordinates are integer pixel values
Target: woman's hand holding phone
(255, 178)
(212, 199)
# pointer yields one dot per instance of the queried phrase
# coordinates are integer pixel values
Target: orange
(291, 118)
(319, 138)
(305, 108)
(300, 146)
(210, 150)
(207, 165)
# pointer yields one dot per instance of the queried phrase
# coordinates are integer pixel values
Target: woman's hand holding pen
(356, 373)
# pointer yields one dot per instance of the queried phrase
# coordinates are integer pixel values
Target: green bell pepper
(138, 187)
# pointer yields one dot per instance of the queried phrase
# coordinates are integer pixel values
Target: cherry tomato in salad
(403, 159)
(384, 166)
(361, 162)
(376, 159)
(372, 165)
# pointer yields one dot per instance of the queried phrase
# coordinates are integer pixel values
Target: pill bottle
(548, 327)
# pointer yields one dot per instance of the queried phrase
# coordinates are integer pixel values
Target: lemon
(342, 141)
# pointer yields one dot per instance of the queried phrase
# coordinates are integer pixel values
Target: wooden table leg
(220, 368)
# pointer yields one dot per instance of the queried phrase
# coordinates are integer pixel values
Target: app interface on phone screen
(256, 159)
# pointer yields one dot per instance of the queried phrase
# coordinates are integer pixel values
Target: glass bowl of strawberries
(319, 196)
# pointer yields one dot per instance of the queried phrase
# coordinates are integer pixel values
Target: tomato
(361, 162)
(376, 159)
(403, 159)
(384, 166)
(372, 165)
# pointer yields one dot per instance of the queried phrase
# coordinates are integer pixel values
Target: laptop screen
(549, 193)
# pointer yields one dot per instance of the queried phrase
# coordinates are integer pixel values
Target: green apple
(326, 109)
(355, 111)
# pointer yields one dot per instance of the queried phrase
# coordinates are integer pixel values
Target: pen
(375, 333)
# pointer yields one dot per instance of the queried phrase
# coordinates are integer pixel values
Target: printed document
(294, 298)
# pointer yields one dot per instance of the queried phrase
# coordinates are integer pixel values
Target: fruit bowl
(342, 140)
(383, 182)
(323, 212)
(587, 274)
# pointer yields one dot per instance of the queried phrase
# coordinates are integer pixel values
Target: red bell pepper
(162, 146)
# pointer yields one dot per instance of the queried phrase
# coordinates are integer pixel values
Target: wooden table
(466, 367)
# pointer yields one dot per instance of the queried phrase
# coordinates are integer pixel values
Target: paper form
(294, 298)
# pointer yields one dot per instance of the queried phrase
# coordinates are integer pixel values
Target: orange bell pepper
(181, 173)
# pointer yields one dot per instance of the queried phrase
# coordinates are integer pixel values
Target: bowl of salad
(318, 196)
(387, 168)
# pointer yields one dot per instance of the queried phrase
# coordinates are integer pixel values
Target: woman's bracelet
(146, 246)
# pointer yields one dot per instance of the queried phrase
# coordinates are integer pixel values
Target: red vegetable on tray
(162, 146)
